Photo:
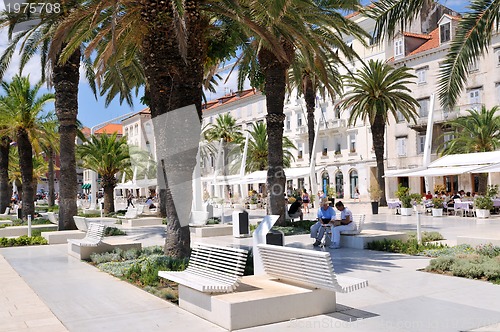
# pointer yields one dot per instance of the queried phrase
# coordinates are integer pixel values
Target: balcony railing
(443, 115)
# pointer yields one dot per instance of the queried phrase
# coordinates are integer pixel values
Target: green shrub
(466, 269)
(22, 241)
(113, 231)
(410, 247)
(488, 250)
(213, 221)
(491, 269)
(54, 208)
(441, 264)
(426, 236)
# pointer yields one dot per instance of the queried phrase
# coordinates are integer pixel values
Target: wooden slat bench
(306, 267)
(212, 269)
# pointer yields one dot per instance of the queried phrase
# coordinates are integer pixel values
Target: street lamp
(93, 175)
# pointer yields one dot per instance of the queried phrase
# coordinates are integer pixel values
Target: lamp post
(93, 175)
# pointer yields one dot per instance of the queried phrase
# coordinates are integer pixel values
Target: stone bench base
(142, 222)
(23, 230)
(211, 230)
(109, 244)
(360, 241)
(257, 301)
(475, 241)
(62, 236)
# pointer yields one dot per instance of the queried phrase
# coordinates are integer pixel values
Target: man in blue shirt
(326, 215)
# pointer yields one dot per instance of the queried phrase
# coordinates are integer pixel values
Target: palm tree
(312, 80)
(472, 38)
(107, 156)
(224, 129)
(258, 150)
(279, 30)
(50, 146)
(21, 106)
(376, 91)
(477, 132)
(38, 39)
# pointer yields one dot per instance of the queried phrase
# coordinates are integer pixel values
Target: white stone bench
(212, 269)
(306, 267)
(81, 223)
(52, 218)
(93, 243)
(130, 214)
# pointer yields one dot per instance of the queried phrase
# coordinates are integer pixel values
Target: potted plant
(375, 196)
(483, 205)
(407, 200)
(437, 207)
(253, 203)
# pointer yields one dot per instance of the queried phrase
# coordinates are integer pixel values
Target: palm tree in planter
(477, 132)
(21, 107)
(377, 91)
(107, 155)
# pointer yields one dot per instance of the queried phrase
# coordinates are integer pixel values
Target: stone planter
(406, 211)
(437, 212)
(482, 213)
(253, 206)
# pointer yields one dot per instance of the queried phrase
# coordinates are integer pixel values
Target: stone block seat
(298, 283)
(94, 242)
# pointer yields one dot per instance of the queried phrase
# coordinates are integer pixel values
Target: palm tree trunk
(26, 165)
(65, 79)
(108, 184)
(174, 81)
(51, 196)
(4, 173)
(275, 88)
(378, 131)
(310, 99)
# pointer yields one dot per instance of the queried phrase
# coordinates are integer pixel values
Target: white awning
(468, 159)
(488, 169)
(439, 171)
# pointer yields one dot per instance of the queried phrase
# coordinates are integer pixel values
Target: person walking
(129, 200)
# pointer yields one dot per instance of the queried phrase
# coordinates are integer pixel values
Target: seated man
(149, 203)
(343, 224)
(295, 210)
(326, 214)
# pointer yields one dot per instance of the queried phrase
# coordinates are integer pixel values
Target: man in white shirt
(343, 224)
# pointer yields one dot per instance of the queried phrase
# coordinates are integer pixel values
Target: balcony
(443, 115)
(331, 126)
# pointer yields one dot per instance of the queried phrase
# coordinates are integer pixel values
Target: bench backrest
(7, 211)
(81, 223)
(358, 220)
(224, 263)
(140, 209)
(95, 233)
(306, 267)
(52, 217)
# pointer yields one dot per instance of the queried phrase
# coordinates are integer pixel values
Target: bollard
(419, 231)
(29, 225)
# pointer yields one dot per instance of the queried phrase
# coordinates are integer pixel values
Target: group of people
(328, 219)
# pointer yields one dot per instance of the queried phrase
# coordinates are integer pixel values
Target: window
(497, 55)
(136, 129)
(473, 66)
(325, 147)
(287, 122)
(400, 117)
(445, 32)
(352, 142)
(249, 111)
(474, 97)
(497, 87)
(126, 131)
(398, 47)
(446, 138)
(422, 75)
(299, 120)
(401, 146)
(238, 113)
(424, 107)
(300, 150)
(420, 144)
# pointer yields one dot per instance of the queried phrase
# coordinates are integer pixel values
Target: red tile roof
(228, 99)
(110, 129)
(433, 42)
(416, 35)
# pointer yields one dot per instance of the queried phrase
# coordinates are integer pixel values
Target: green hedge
(22, 241)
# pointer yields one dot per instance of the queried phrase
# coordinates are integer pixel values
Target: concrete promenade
(44, 289)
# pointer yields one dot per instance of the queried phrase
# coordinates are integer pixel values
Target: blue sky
(92, 112)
